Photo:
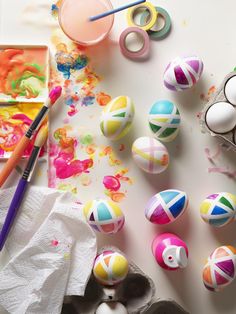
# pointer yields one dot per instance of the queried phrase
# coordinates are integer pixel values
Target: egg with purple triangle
(219, 209)
(104, 216)
(166, 206)
(219, 270)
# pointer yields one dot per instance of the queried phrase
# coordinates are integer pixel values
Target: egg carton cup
(136, 292)
(228, 139)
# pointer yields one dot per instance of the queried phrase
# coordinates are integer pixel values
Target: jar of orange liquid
(74, 20)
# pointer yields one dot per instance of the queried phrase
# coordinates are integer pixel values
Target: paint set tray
(136, 292)
(220, 96)
(24, 76)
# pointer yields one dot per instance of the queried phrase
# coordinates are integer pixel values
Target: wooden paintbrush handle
(14, 159)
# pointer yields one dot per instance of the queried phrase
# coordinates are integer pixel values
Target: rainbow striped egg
(117, 118)
(219, 209)
(150, 155)
(110, 268)
(164, 120)
(165, 207)
(183, 72)
(219, 271)
(104, 216)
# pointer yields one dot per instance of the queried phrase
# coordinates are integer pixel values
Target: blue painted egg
(166, 206)
(219, 209)
(164, 120)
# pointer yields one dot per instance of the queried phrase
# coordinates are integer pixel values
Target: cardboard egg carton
(136, 293)
(228, 139)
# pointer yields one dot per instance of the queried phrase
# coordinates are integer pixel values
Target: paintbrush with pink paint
(54, 94)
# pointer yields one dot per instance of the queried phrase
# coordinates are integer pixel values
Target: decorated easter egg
(221, 117)
(110, 268)
(183, 72)
(170, 251)
(166, 206)
(111, 308)
(104, 216)
(218, 209)
(219, 271)
(164, 120)
(117, 117)
(150, 155)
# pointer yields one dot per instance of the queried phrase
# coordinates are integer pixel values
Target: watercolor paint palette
(24, 76)
(24, 72)
(219, 115)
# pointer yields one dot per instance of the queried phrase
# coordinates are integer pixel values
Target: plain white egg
(230, 90)
(221, 117)
(111, 308)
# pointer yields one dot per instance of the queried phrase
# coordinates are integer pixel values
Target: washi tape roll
(138, 53)
(164, 31)
(148, 22)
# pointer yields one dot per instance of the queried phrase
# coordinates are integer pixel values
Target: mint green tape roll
(162, 33)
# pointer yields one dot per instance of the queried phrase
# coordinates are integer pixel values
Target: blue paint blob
(66, 64)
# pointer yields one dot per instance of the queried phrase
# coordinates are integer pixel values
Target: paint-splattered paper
(23, 73)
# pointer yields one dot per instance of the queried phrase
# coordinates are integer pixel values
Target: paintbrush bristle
(54, 94)
(41, 136)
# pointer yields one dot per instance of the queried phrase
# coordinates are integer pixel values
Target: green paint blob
(86, 139)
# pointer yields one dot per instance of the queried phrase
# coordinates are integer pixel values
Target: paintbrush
(25, 140)
(23, 183)
(124, 7)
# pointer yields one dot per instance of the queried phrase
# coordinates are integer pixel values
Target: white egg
(111, 308)
(221, 117)
(230, 90)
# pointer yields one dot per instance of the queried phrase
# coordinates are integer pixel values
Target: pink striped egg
(183, 72)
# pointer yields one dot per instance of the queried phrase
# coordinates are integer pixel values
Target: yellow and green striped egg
(117, 118)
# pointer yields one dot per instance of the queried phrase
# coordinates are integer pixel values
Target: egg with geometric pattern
(166, 206)
(164, 120)
(104, 216)
(219, 270)
(110, 267)
(117, 118)
(150, 155)
(219, 209)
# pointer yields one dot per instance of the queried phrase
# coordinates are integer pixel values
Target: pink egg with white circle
(170, 252)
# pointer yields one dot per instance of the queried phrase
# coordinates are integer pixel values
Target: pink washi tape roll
(134, 54)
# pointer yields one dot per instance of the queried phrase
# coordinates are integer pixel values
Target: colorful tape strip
(134, 11)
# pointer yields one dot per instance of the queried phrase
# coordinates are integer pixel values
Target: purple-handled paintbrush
(22, 185)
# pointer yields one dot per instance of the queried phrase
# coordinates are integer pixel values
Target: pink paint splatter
(54, 243)
(111, 183)
(65, 164)
(22, 117)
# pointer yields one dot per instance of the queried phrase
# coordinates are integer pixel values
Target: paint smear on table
(78, 160)
(210, 92)
(66, 166)
(14, 121)
(74, 73)
(23, 74)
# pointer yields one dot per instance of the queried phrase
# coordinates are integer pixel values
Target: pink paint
(66, 168)
(54, 243)
(55, 93)
(111, 183)
(22, 117)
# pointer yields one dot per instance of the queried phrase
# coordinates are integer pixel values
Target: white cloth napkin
(50, 250)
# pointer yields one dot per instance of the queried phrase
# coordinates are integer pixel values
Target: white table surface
(206, 28)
